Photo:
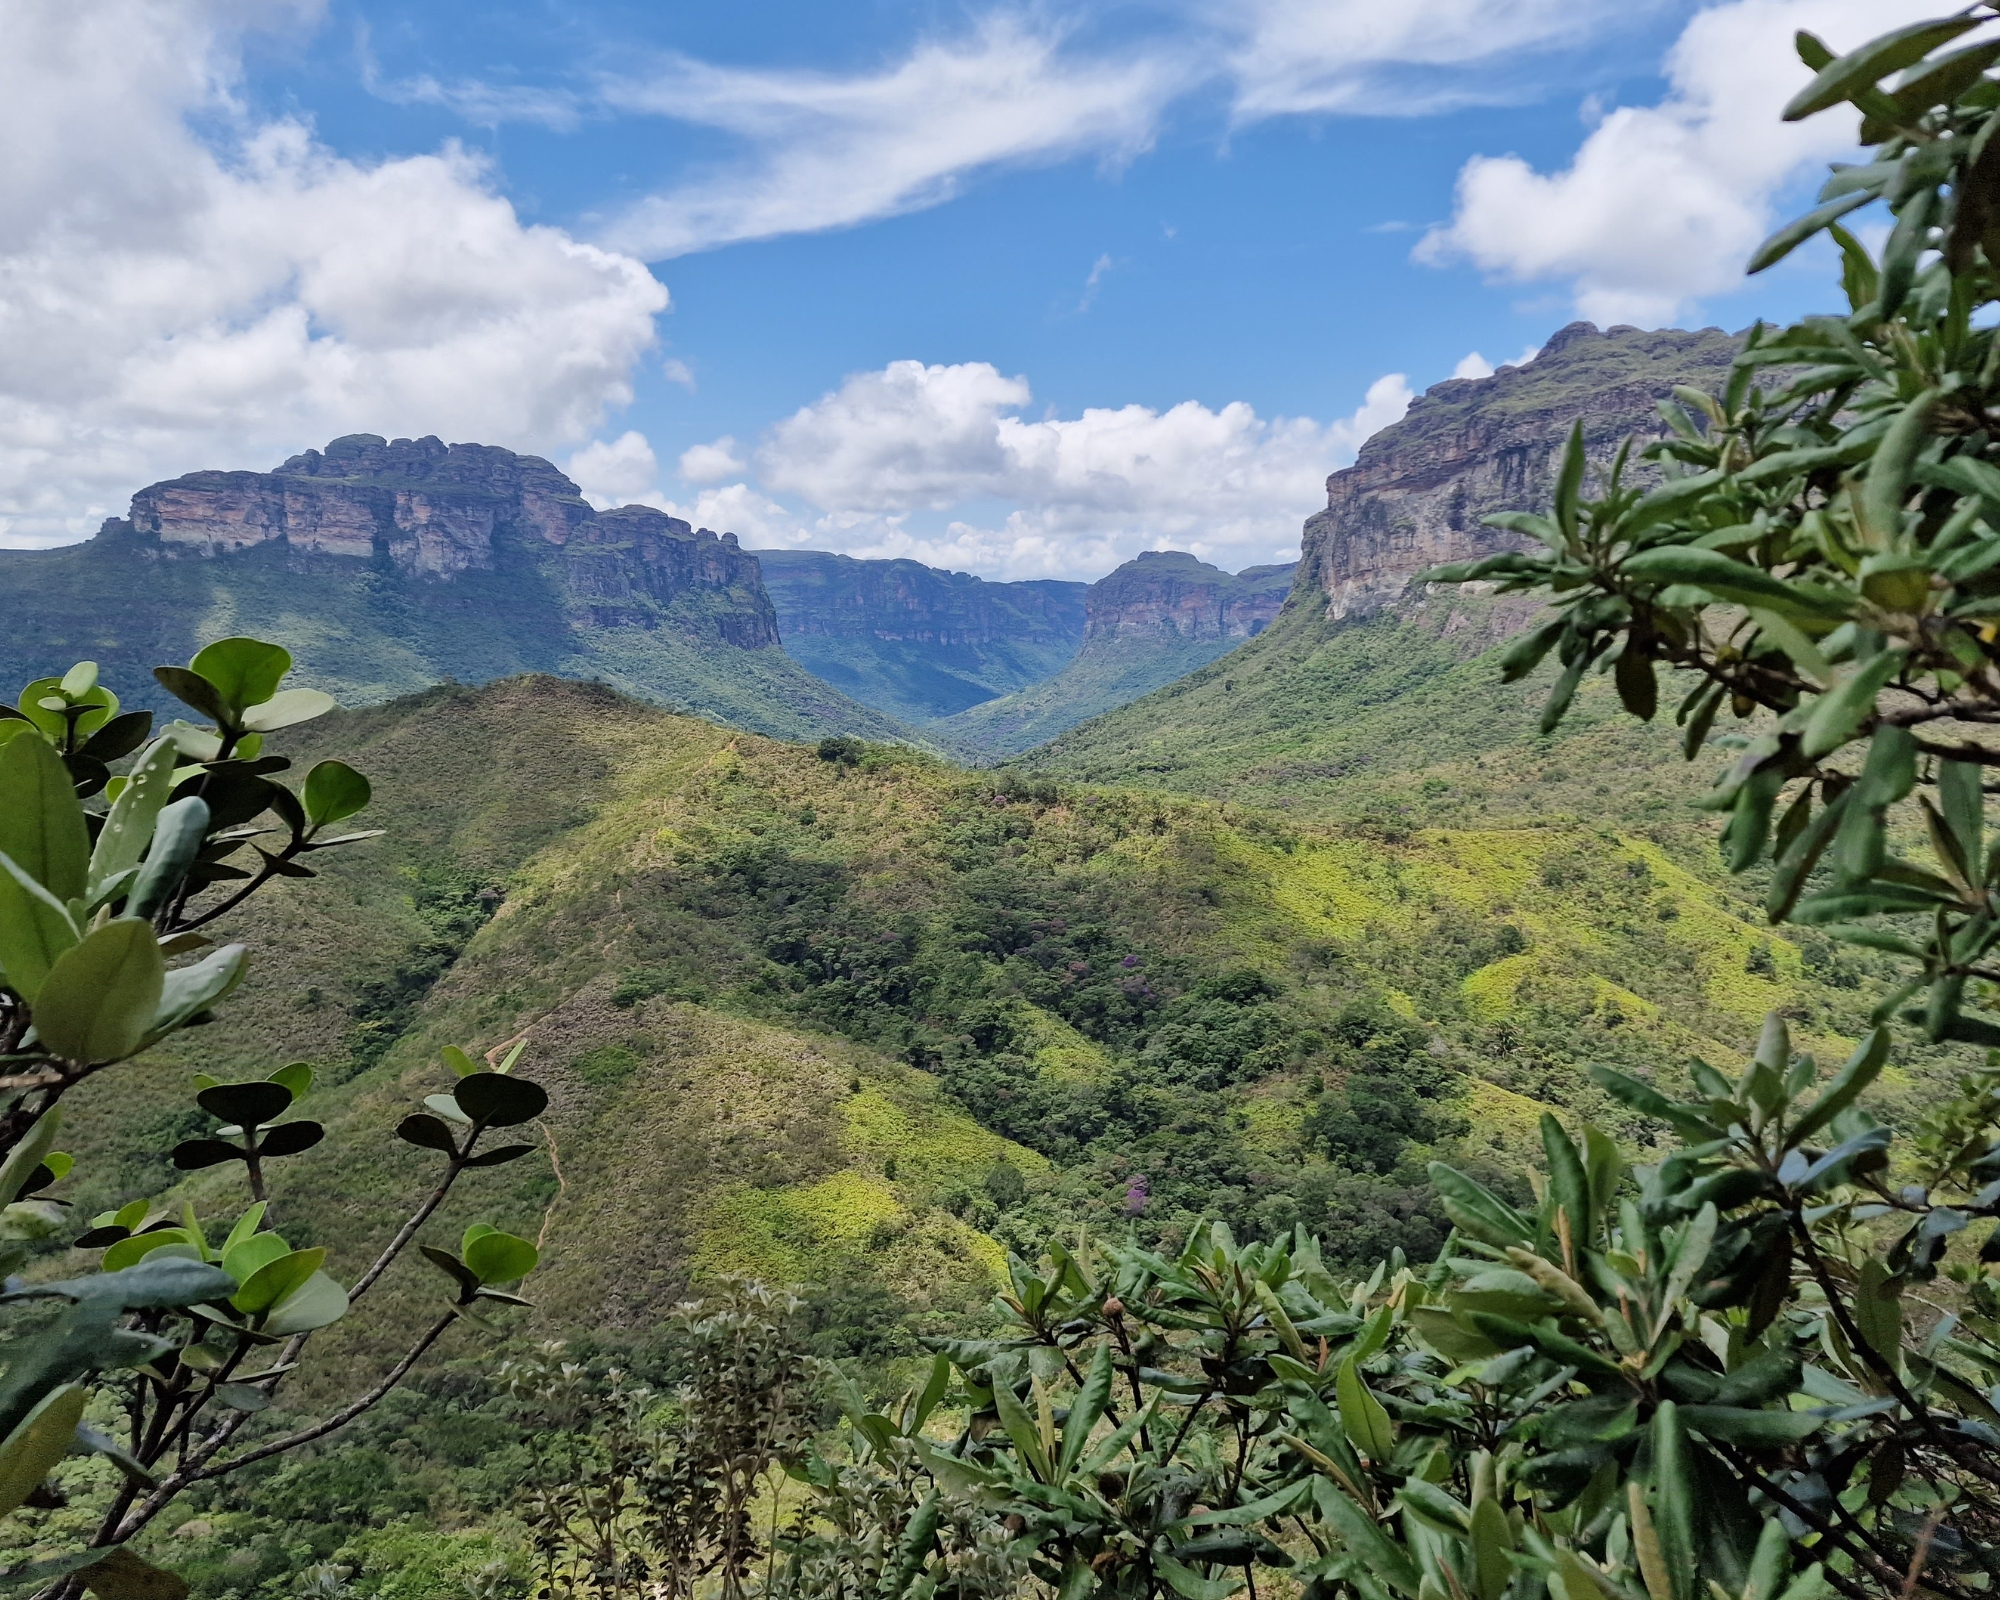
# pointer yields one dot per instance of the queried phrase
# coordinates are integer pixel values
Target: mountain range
(389, 565)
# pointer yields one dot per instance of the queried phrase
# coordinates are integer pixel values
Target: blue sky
(1019, 290)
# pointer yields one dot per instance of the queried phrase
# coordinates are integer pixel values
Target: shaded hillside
(386, 567)
(915, 641)
(1158, 617)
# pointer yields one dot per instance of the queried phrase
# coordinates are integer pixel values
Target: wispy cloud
(474, 100)
(824, 151)
(1099, 268)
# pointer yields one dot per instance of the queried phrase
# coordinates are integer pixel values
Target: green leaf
(1382, 1556)
(128, 827)
(498, 1101)
(1728, 580)
(1086, 1408)
(1362, 1416)
(1800, 856)
(500, 1258)
(1796, 232)
(26, 1156)
(1878, 1310)
(125, 1576)
(1525, 654)
(191, 688)
(1888, 481)
(1020, 1428)
(41, 821)
(35, 930)
(177, 840)
(191, 990)
(1862, 69)
(1673, 1501)
(98, 1001)
(1569, 483)
(914, 1549)
(273, 1281)
(245, 672)
(1690, 1254)
(30, 1453)
(287, 708)
(1492, 1543)
(1568, 1184)
(1643, 1097)
(1861, 1069)
(1761, 1430)
(314, 1304)
(1477, 1210)
(1838, 713)
(297, 1076)
(1191, 1585)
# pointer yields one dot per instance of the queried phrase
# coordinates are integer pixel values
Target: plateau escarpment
(1468, 447)
(917, 641)
(388, 565)
(1162, 615)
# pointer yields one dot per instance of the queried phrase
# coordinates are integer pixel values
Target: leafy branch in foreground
(1825, 549)
(1714, 1378)
(105, 881)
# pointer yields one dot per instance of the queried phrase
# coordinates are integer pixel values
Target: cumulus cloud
(1473, 365)
(710, 463)
(888, 447)
(1663, 204)
(826, 151)
(171, 300)
(621, 472)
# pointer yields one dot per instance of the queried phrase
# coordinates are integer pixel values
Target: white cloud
(829, 152)
(168, 303)
(710, 463)
(621, 473)
(1087, 492)
(675, 370)
(1405, 59)
(1099, 269)
(1663, 204)
(1473, 365)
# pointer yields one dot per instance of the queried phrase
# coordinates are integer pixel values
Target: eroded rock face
(1169, 594)
(434, 510)
(1469, 447)
(429, 507)
(834, 596)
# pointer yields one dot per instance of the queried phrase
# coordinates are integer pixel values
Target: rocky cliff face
(1171, 595)
(833, 596)
(915, 641)
(1472, 446)
(432, 510)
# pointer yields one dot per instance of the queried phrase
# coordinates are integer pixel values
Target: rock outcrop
(430, 510)
(1468, 447)
(1169, 595)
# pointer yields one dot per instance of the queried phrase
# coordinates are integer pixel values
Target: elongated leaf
(30, 1452)
(1756, 1428)
(286, 708)
(1643, 1097)
(177, 839)
(1796, 232)
(1860, 1070)
(1492, 1550)
(1569, 482)
(35, 930)
(1386, 1560)
(1674, 1501)
(128, 827)
(1086, 1408)
(1477, 1210)
(914, 1549)
(1838, 713)
(41, 823)
(1862, 69)
(1363, 1416)
(1020, 1427)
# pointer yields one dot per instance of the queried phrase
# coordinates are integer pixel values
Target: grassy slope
(713, 1124)
(1101, 677)
(367, 635)
(1402, 715)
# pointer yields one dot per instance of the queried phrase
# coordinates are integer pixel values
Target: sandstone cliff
(1471, 446)
(426, 509)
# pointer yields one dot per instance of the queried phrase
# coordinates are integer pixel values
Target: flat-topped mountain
(917, 641)
(389, 565)
(1160, 616)
(1469, 447)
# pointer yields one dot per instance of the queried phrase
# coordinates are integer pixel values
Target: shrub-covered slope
(822, 1018)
